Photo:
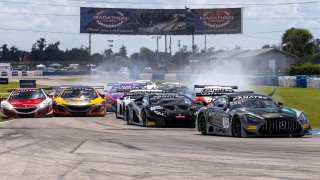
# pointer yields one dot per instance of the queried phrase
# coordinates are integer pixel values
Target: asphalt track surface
(107, 148)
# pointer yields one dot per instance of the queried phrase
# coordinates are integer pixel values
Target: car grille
(26, 110)
(279, 126)
(78, 108)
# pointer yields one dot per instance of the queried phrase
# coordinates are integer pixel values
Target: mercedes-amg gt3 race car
(118, 90)
(249, 114)
(129, 97)
(162, 110)
(27, 102)
(79, 100)
(208, 93)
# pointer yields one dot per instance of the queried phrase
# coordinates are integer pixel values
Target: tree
(4, 53)
(299, 42)
(122, 51)
(266, 46)
(53, 53)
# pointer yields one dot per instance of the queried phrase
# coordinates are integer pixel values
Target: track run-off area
(105, 148)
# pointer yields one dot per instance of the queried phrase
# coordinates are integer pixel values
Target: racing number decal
(225, 122)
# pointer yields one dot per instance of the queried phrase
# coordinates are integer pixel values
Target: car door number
(225, 122)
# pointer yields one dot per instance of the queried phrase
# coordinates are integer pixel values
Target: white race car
(131, 96)
(149, 84)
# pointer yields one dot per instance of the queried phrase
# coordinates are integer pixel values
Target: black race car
(249, 114)
(162, 110)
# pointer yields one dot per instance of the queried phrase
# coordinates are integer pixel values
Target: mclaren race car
(208, 93)
(129, 97)
(162, 110)
(118, 90)
(79, 100)
(26, 102)
(249, 114)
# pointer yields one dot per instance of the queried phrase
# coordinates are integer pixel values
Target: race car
(162, 110)
(148, 84)
(79, 100)
(250, 114)
(26, 102)
(209, 93)
(118, 90)
(126, 99)
(173, 87)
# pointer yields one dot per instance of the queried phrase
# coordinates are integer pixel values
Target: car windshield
(175, 99)
(253, 103)
(27, 94)
(80, 93)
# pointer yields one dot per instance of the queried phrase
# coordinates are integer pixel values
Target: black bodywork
(166, 109)
(244, 115)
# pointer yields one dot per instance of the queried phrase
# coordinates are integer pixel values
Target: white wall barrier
(313, 83)
(287, 81)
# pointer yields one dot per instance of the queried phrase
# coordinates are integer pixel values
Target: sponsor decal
(217, 19)
(27, 83)
(249, 97)
(110, 19)
(225, 122)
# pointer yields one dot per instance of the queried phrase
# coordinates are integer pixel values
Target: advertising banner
(4, 67)
(27, 83)
(160, 21)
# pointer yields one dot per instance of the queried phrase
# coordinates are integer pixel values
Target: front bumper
(276, 127)
(172, 120)
(79, 110)
(33, 111)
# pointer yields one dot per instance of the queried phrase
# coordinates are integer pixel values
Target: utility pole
(193, 48)
(170, 47)
(165, 41)
(110, 41)
(89, 43)
(157, 53)
(205, 43)
(179, 52)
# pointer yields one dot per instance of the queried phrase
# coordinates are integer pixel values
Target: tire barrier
(4, 73)
(287, 81)
(15, 73)
(24, 73)
(313, 82)
(302, 81)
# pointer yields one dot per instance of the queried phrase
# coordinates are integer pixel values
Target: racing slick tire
(236, 128)
(202, 125)
(116, 111)
(144, 118)
(127, 117)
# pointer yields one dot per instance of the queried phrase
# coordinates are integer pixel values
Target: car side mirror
(280, 103)
(121, 98)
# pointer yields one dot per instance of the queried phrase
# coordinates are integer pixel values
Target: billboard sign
(160, 21)
(4, 81)
(4, 67)
(27, 83)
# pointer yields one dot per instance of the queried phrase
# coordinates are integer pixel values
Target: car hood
(25, 102)
(78, 101)
(270, 113)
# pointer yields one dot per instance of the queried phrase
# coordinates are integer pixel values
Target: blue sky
(30, 15)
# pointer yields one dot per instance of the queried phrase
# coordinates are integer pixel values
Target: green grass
(305, 99)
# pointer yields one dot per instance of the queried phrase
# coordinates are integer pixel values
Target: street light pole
(179, 52)
(157, 53)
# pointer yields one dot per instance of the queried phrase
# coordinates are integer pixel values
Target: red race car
(209, 93)
(26, 102)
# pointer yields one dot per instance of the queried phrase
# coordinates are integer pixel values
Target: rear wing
(137, 92)
(133, 83)
(214, 90)
(203, 86)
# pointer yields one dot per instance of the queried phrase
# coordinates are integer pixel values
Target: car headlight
(303, 119)
(45, 103)
(251, 118)
(155, 108)
(6, 105)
